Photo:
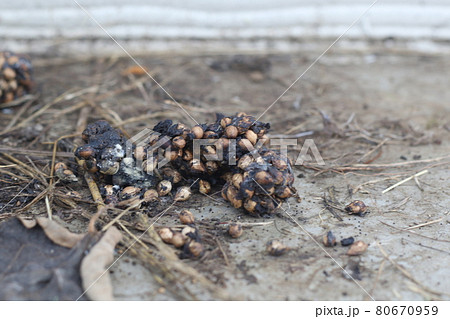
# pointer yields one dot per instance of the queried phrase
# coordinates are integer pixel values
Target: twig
(223, 252)
(11, 150)
(118, 217)
(424, 224)
(404, 181)
(420, 235)
(95, 192)
(376, 148)
(49, 209)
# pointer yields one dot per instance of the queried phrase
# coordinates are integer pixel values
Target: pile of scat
(251, 175)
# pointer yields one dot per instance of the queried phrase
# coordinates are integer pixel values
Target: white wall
(48, 22)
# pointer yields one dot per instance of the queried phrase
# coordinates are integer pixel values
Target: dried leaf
(58, 234)
(96, 281)
(33, 267)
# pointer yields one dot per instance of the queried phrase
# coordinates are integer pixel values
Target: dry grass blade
(407, 274)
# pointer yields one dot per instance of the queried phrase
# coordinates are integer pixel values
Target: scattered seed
(357, 248)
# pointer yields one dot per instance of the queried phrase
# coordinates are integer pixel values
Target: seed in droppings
(150, 195)
(231, 131)
(195, 248)
(108, 168)
(356, 207)
(357, 248)
(85, 152)
(236, 180)
(347, 241)
(179, 141)
(276, 248)
(178, 239)
(187, 230)
(204, 187)
(129, 191)
(250, 205)
(263, 178)
(198, 132)
(186, 217)
(166, 234)
(251, 136)
(235, 230)
(329, 239)
(183, 194)
(164, 187)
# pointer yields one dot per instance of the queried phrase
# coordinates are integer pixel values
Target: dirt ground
(387, 119)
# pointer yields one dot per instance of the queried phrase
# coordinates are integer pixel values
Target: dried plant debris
(15, 76)
(42, 260)
(231, 154)
(33, 267)
(96, 283)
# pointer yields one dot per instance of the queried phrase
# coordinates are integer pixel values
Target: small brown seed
(209, 134)
(232, 197)
(171, 173)
(85, 151)
(187, 155)
(60, 166)
(357, 248)
(196, 248)
(222, 143)
(183, 194)
(280, 164)
(263, 178)
(329, 240)
(211, 167)
(356, 207)
(197, 131)
(166, 234)
(231, 131)
(276, 248)
(171, 155)
(179, 142)
(250, 205)
(178, 239)
(129, 191)
(225, 122)
(237, 179)
(246, 144)
(284, 192)
(150, 195)
(197, 166)
(235, 230)
(164, 187)
(187, 230)
(186, 217)
(245, 161)
(204, 187)
(108, 169)
(251, 136)
(91, 165)
(9, 73)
